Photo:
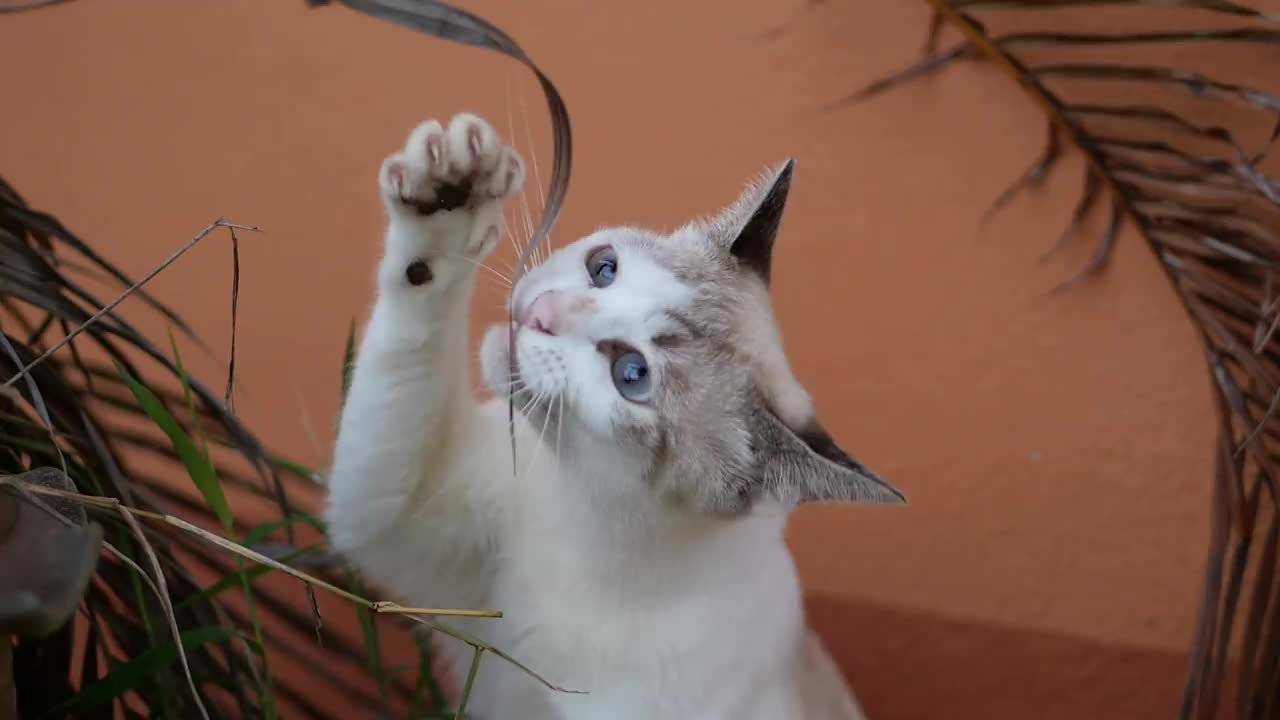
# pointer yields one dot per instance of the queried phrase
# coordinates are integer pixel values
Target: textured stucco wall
(1055, 448)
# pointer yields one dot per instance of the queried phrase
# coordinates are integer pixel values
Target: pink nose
(543, 314)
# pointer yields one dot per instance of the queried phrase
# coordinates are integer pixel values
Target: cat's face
(660, 352)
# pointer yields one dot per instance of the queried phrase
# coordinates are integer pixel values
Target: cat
(635, 540)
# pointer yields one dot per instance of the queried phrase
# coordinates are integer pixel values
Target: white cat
(635, 543)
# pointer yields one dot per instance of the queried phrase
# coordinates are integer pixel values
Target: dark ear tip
(887, 493)
(780, 185)
(894, 496)
(819, 441)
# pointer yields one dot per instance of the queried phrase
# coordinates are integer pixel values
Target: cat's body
(635, 543)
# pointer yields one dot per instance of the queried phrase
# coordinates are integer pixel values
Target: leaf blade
(198, 465)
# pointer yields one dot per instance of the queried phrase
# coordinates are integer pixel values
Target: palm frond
(87, 392)
(69, 408)
(1198, 195)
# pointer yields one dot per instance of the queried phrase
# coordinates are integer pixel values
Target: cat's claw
(465, 165)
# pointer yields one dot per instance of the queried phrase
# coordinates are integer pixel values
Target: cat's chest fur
(670, 622)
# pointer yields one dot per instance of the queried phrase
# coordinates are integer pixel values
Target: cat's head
(661, 352)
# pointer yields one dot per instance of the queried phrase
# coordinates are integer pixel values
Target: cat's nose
(543, 313)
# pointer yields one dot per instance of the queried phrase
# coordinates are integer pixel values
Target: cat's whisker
(559, 425)
(526, 216)
(506, 267)
(537, 176)
(537, 397)
(533, 155)
(510, 218)
(484, 267)
(511, 133)
(542, 434)
(511, 381)
(506, 280)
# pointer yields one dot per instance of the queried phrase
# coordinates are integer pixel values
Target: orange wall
(1055, 448)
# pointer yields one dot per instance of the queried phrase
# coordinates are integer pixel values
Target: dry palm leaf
(56, 418)
(1202, 202)
(66, 412)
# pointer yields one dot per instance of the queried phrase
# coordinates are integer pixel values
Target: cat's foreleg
(410, 407)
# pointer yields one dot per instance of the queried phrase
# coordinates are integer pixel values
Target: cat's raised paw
(462, 166)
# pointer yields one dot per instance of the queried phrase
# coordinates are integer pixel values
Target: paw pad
(418, 273)
(440, 169)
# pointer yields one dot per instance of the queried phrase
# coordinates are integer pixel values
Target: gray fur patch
(732, 424)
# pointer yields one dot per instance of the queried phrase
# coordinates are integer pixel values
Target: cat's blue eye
(602, 266)
(631, 376)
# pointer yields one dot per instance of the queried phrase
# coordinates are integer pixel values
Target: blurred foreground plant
(149, 637)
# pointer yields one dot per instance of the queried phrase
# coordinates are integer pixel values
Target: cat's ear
(749, 226)
(808, 466)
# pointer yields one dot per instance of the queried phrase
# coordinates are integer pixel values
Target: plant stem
(471, 681)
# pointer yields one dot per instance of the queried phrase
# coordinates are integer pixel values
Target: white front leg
(397, 460)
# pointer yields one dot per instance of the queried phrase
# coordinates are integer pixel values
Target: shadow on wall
(948, 669)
